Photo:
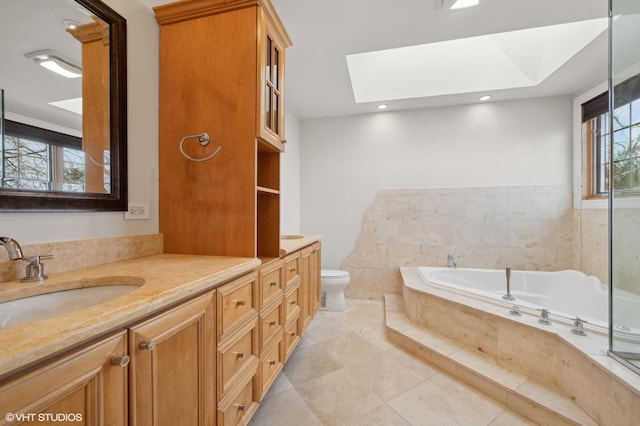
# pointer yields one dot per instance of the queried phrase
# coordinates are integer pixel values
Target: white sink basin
(42, 306)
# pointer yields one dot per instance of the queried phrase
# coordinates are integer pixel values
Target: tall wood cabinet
(221, 72)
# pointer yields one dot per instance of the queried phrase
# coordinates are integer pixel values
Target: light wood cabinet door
(310, 285)
(86, 387)
(271, 50)
(173, 366)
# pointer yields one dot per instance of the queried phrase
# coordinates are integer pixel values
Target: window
(38, 159)
(625, 124)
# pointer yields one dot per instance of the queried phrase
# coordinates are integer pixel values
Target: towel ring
(204, 139)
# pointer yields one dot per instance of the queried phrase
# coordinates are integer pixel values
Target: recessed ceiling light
(382, 106)
(485, 97)
(461, 4)
(70, 24)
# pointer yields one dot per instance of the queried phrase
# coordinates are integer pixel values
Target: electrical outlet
(137, 211)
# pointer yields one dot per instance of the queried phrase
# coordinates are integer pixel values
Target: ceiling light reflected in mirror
(55, 62)
(461, 4)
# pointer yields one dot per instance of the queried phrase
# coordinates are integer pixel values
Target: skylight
(508, 60)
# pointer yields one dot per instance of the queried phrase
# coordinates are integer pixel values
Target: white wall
(290, 178)
(346, 161)
(142, 55)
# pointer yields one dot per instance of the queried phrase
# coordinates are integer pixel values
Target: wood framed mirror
(64, 138)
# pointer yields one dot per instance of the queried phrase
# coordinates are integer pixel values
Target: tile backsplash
(523, 227)
(68, 255)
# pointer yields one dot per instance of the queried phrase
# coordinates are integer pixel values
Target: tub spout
(508, 296)
(451, 262)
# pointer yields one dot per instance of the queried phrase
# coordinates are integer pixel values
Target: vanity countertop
(293, 243)
(168, 279)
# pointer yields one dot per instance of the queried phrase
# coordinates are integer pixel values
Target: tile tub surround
(525, 227)
(168, 279)
(578, 365)
(69, 255)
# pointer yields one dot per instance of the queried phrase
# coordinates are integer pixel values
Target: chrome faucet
(12, 246)
(451, 262)
(508, 296)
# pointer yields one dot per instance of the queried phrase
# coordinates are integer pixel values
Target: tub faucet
(451, 262)
(508, 296)
(12, 246)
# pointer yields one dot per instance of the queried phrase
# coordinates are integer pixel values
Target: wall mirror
(63, 105)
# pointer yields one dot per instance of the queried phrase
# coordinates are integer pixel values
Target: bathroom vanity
(198, 343)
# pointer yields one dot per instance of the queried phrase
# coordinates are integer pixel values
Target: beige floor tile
(350, 349)
(281, 384)
(378, 338)
(412, 361)
(386, 376)
(467, 395)
(309, 363)
(339, 397)
(429, 404)
(287, 408)
(380, 416)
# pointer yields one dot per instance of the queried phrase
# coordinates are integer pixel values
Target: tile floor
(346, 372)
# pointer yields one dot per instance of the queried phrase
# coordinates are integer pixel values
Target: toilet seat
(334, 276)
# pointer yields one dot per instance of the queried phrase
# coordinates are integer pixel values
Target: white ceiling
(325, 31)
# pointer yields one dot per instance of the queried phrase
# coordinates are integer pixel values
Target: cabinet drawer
(292, 269)
(236, 305)
(240, 406)
(292, 303)
(270, 324)
(271, 287)
(271, 364)
(291, 336)
(236, 356)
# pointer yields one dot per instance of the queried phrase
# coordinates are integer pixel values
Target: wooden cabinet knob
(273, 284)
(120, 360)
(148, 345)
(293, 302)
(240, 302)
(273, 322)
(239, 354)
(239, 406)
(292, 333)
(272, 362)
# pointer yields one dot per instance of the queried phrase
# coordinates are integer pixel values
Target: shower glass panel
(624, 201)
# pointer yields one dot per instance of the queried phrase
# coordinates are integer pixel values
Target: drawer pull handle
(148, 345)
(292, 333)
(239, 406)
(273, 322)
(273, 284)
(272, 362)
(239, 354)
(293, 302)
(240, 302)
(292, 269)
(120, 360)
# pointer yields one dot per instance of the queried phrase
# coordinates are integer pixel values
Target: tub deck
(481, 344)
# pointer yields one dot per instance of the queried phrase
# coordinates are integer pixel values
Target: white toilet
(332, 284)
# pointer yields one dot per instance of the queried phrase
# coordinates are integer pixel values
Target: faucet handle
(578, 327)
(35, 268)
